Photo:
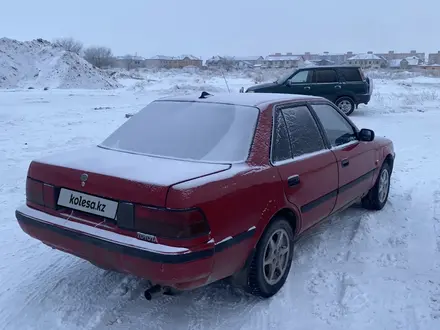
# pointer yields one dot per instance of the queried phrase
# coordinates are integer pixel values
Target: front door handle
(307, 88)
(293, 180)
(345, 162)
(338, 86)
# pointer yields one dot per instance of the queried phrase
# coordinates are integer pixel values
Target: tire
(377, 197)
(346, 105)
(258, 281)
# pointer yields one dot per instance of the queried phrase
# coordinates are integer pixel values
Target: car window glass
(326, 76)
(210, 132)
(300, 77)
(338, 130)
(350, 74)
(281, 144)
(303, 131)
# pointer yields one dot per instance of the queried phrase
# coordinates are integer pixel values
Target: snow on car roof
(244, 99)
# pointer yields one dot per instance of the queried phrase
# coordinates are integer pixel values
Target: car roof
(243, 99)
(334, 66)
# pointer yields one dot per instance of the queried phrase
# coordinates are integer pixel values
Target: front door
(300, 83)
(307, 168)
(356, 159)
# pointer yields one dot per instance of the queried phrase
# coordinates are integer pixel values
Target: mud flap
(240, 278)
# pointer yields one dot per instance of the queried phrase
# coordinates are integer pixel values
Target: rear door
(356, 159)
(353, 81)
(326, 84)
(299, 83)
(307, 168)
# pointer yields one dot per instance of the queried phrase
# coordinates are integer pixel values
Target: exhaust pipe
(152, 291)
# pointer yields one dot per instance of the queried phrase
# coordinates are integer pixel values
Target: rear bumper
(176, 267)
(363, 98)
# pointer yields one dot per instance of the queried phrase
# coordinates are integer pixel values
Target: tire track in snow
(436, 219)
(419, 217)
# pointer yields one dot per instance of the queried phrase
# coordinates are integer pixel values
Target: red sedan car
(192, 190)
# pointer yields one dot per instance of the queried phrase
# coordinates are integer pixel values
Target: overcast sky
(228, 27)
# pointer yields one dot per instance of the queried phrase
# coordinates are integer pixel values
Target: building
(413, 61)
(238, 62)
(337, 59)
(434, 58)
(278, 60)
(322, 62)
(435, 68)
(248, 60)
(129, 62)
(326, 57)
(392, 55)
(173, 62)
(406, 63)
(398, 64)
(368, 60)
(224, 62)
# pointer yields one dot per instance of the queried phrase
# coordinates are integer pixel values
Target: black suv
(346, 86)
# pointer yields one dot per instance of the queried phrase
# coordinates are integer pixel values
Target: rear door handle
(338, 86)
(293, 180)
(307, 88)
(345, 162)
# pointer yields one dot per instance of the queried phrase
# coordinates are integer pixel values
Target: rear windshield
(200, 131)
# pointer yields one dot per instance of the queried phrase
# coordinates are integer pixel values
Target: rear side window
(201, 131)
(281, 143)
(303, 131)
(326, 76)
(350, 74)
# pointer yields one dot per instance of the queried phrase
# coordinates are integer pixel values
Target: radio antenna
(226, 82)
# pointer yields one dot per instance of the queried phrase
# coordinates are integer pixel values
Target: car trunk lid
(118, 176)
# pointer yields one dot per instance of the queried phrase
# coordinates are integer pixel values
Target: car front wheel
(346, 105)
(272, 260)
(378, 195)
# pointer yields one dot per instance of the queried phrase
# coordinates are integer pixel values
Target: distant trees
(70, 45)
(98, 56)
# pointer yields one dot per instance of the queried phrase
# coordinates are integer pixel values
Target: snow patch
(40, 64)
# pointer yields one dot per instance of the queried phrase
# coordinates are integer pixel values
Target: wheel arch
(389, 159)
(346, 95)
(287, 213)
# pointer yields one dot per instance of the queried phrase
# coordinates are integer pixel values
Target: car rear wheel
(345, 104)
(378, 195)
(272, 260)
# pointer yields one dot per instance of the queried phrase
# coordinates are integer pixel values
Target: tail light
(172, 224)
(34, 192)
(40, 193)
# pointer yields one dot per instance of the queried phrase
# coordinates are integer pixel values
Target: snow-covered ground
(359, 270)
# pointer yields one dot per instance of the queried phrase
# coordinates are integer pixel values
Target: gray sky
(228, 27)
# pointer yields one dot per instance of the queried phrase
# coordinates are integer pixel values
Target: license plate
(88, 203)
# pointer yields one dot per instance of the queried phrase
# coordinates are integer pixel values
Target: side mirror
(366, 134)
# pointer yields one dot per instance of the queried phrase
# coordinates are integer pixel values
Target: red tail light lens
(34, 191)
(49, 196)
(40, 193)
(173, 224)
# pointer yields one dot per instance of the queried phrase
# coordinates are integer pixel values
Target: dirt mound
(39, 64)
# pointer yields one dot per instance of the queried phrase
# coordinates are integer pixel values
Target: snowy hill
(39, 64)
